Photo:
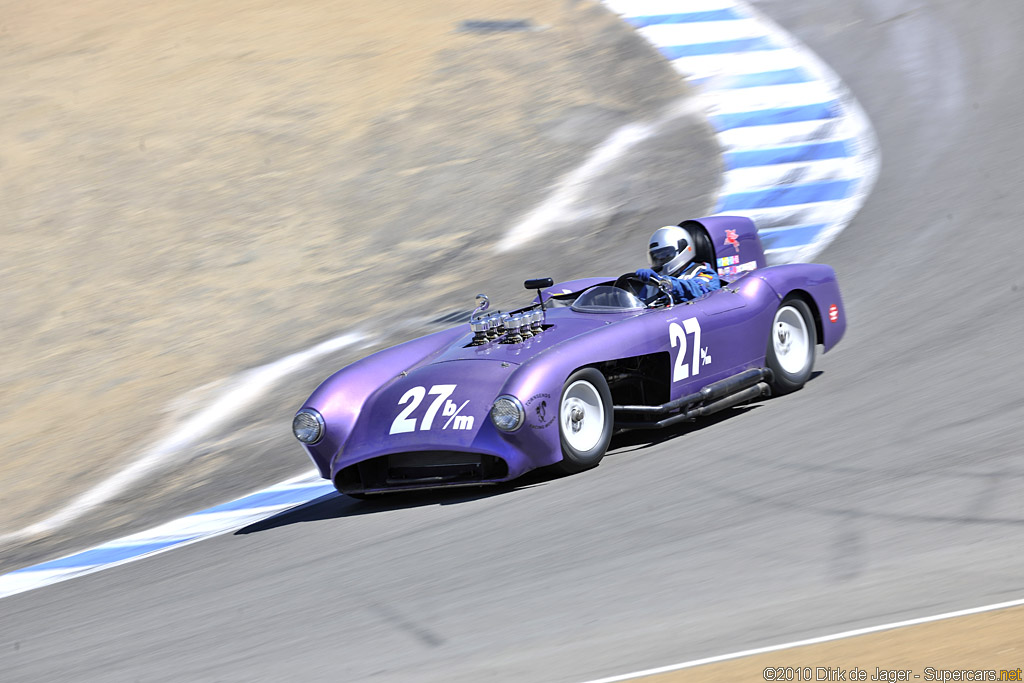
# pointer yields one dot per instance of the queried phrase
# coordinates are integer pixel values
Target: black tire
(573, 459)
(786, 323)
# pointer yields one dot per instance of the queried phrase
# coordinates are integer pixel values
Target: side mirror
(538, 283)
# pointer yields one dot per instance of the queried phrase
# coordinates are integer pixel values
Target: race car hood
(437, 406)
(561, 325)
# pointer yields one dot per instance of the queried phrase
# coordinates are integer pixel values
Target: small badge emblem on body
(539, 404)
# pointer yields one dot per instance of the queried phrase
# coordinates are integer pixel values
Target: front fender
(538, 382)
(340, 398)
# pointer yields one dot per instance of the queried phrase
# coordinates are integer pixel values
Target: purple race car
(548, 384)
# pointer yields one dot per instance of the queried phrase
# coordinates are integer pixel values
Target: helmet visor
(662, 255)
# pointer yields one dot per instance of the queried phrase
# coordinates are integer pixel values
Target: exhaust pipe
(718, 389)
(710, 393)
(748, 394)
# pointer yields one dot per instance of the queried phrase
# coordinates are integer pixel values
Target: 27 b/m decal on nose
(411, 399)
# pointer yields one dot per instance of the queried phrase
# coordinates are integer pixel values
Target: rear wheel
(585, 420)
(791, 346)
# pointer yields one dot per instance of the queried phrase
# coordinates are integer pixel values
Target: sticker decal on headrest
(732, 238)
(731, 272)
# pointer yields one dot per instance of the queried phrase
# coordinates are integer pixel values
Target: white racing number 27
(677, 335)
(412, 399)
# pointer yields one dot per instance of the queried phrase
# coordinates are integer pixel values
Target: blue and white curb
(217, 520)
(800, 159)
(800, 155)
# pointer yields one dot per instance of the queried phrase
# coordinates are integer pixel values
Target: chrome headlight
(507, 413)
(308, 426)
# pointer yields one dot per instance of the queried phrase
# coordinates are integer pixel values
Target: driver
(671, 256)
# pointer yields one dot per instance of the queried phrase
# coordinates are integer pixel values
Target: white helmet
(670, 250)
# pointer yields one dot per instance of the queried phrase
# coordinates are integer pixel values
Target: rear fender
(815, 283)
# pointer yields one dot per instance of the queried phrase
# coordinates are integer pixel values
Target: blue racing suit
(695, 280)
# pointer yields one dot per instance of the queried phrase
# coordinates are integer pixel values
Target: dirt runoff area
(191, 189)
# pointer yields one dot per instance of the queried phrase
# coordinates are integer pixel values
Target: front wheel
(585, 420)
(791, 346)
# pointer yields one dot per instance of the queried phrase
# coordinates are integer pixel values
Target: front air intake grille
(420, 469)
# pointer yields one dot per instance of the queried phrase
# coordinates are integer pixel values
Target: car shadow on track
(337, 505)
(635, 440)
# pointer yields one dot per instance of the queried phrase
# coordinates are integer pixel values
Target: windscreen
(606, 299)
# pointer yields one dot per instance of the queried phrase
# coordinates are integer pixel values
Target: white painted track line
(810, 641)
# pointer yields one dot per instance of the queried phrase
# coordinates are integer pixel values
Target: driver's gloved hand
(645, 274)
(680, 290)
(697, 287)
(687, 289)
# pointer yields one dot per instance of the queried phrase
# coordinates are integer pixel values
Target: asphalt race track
(889, 488)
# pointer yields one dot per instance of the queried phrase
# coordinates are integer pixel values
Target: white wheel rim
(790, 339)
(582, 416)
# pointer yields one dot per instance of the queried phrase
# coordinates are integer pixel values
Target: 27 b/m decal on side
(677, 335)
